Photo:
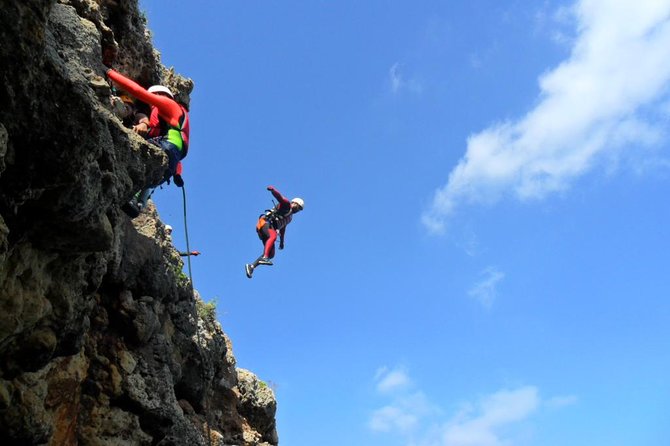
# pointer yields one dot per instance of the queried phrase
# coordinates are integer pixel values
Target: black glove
(178, 180)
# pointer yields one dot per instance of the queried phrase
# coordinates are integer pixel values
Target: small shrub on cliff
(179, 274)
(182, 279)
(206, 311)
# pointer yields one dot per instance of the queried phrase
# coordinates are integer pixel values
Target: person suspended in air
(272, 222)
(167, 127)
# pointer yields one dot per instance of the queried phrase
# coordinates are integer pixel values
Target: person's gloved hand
(281, 245)
(178, 180)
(270, 188)
(142, 129)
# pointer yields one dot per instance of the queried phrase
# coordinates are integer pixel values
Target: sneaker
(264, 261)
(249, 270)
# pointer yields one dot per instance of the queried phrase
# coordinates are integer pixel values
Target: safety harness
(275, 219)
(177, 135)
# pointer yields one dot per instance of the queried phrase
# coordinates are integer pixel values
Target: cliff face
(101, 340)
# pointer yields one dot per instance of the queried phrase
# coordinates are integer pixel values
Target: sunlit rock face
(101, 339)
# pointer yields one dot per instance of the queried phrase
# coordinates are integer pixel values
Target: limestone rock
(258, 405)
(100, 338)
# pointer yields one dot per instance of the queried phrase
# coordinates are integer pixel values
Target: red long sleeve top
(163, 107)
(168, 109)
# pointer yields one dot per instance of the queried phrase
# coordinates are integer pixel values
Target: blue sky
(483, 256)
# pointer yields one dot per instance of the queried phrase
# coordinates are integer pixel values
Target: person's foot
(249, 270)
(264, 261)
(131, 209)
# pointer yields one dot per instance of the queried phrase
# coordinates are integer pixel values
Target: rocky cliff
(101, 340)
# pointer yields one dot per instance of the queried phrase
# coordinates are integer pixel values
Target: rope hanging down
(197, 331)
(188, 246)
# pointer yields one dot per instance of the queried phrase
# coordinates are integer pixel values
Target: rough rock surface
(101, 340)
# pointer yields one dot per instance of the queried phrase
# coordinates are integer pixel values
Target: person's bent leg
(268, 251)
(144, 197)
(268, 237)
(268, 248)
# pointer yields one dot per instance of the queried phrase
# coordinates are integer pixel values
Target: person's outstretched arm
(167, 107)
(283, 201)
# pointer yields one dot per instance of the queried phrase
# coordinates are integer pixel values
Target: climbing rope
(197, 332)
(188, 246)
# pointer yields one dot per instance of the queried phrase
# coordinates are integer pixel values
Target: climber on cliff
(271, 221)
(124, 108)
(168, 235)
(166, 127)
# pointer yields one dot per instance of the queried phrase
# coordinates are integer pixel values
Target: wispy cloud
(470, 243)
(492, 420)
(486, 422)
(399, 82)
(476, 61)
(557, 24)
(403, 416)
(408, 405)
(390, 418)
(395, 78)
(389, 380)
(604, 98)
(485, 290)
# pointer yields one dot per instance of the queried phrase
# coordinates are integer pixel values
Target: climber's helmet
(155, 89)
(297, 205)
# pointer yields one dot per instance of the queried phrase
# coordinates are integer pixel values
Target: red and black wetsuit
(272, 221)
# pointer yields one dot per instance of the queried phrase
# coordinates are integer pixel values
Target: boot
(263, 261)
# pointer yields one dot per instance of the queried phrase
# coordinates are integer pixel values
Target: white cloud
(392, 380)
(403, 416)
(484, 424)
(391, 418)
(590, 107)
(497, 419)
(485, 290)
(407, 408)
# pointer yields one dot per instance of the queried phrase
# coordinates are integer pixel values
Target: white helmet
(300, 202)
(160, 89)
